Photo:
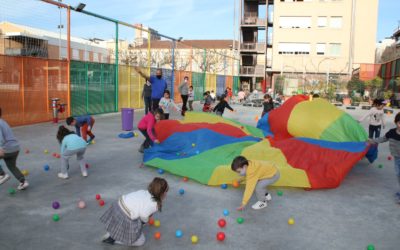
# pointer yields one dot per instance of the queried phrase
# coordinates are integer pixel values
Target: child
(71, 144)
(166, 103)
(125, 218)
(393, 136)
(191, 98)
(212, 94)
(376, 119)
(207, 102)
(9, 150)
(259, 175)
(146, 95)
(146, 127)
(219, 109)
(84, 124)
(268, 104)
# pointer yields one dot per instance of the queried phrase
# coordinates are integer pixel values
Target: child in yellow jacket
(258, 175)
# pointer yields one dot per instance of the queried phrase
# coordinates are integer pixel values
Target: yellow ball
(46, 151)
(157, 223)
(291, 221)
(195, 239)
(93, 142)
(135, 134)
(25, 172)
(193, 145)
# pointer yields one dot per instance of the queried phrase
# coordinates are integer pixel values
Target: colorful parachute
(313, 144)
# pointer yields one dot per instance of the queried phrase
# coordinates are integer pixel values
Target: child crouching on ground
(220, 107)
(207, 101)
(125, 218)
(259, 175)
(393, 136)
(146, 127)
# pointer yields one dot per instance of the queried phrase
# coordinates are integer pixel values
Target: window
(336, 22)
(320, 48)
(334, 49)
(63, 53)
(295, 22)
(294, 48)
(322, 22)
(95, 57)
(86, 55)
(75, 54)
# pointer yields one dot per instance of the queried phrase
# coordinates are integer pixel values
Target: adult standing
(184, 91)
(158, 86)
(146, 95)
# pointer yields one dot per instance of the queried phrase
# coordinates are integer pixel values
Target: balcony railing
(258, 47)
(257, 70)
(250, 20)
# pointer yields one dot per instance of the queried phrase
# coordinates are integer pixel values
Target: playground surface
(362, 211)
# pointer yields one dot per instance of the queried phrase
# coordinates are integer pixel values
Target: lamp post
(60, 26)
(327, 73)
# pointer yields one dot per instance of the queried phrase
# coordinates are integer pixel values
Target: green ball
(11, 191)
(56, 217)
(371, 247)
(240, 220)
(279, 193)
(380, 166)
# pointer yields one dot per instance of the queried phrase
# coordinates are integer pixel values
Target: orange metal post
(69, 60)
(23, 90)
(47, 87)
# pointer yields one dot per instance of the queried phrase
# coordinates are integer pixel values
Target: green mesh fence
(236, 82)
(198, 82)
(93, 88)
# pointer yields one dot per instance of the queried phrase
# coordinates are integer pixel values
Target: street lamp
(327, 73)
(80, 7)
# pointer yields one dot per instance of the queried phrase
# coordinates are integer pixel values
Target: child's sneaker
(4, 178)
(259, 205)
(268, 197)
(23, 185)
(62, 176)
(84, 174)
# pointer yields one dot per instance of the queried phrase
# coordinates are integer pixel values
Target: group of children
(219, 108)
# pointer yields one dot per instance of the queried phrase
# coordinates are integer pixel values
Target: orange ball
(151, 221)
(236, 184)
(157, 235)
(185, 179)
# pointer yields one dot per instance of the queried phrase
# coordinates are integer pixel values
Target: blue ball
(178, 234)
(226, 212)
(46, 167)
(224, 186)
(160, 171)
(181, 191)
(197, 152)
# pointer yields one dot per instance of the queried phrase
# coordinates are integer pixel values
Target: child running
(393, 136)
(207, 102)
(146, 127)
(125, 218)
(259, 175)
(268, 104)
(191, 98)
(220, 107)
(71, 144)
(83, 125)
(166, 103)
(9, 150)
(376, 119)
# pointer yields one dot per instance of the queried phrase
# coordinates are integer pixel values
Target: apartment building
(306, 38)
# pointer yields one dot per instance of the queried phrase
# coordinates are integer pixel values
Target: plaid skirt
(120, 226)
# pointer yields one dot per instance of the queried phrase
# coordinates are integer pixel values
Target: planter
(346, 101)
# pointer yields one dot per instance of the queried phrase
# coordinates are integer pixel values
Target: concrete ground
(360, 212)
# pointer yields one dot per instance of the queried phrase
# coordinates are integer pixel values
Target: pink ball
(81, 204)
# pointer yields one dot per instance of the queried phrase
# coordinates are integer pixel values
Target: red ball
(101, 203)
(389, 158)
(27, 151)
(157, 235)
(98, 197)
(151, 221)
(221, 223)
(55, 154)
(86, 166)
(185, 179)
(220, 236)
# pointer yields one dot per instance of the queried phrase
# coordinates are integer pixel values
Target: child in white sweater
(376, 119)
(166, 103)
(125, 218)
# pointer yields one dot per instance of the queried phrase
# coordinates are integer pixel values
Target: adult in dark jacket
(158, 86)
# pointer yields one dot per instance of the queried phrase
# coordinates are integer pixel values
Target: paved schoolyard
(361, 211)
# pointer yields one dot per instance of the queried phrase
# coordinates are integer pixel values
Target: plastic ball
(194, 239)
(380, 166)
(87, 166)
(181, 191)
(151, 221)
(279, 193)
(197, 152)
(236, 184)
(221, 222)
(25, 172)
(193, 145)
(55, 154)
(56, 205)
(157, 235)
(240, 220)
(27, 151)
(93, 142)
(135, 134)
(46, 167)
(290, 221)
(224, 186)
(101, 203)
(389, 158)
(185, 179)
(160, 171)
(81, 204)
(11, 191)
(46, 151)
(370, 247)
(226, 212)
(98, 197)
(157, 223)
(220, 236)
(178, 234)
(58, 156)
(56, 217)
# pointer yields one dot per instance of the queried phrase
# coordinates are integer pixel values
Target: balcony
(258, 70)
(253, 47)
(252, 19)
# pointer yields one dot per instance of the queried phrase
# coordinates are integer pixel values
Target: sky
(190, 19)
